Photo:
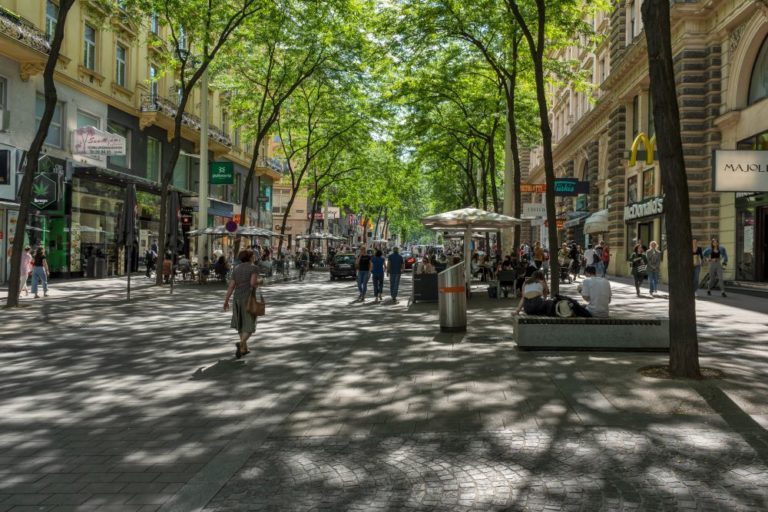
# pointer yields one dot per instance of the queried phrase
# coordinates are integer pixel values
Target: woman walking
(26, 268)
(245, 278)
(639, 266)
(717, 258)
(364, 267)
(40, 271)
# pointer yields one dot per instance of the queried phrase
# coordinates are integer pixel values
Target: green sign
(44, 192)
(222, 173)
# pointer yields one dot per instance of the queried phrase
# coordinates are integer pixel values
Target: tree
(198, 30)
(314, 120)
(33, 155)
(684, 345)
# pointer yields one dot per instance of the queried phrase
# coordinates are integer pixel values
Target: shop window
(632, 190)
(89, 47)
(55, 132)
(758, 85)
(5, 167)
(648, 183)
(123, 161)
(154, 159)
(51, 18)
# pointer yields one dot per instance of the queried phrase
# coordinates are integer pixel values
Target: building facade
(721, 67)
(108, 80)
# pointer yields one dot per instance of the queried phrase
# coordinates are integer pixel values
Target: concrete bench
(609, 334)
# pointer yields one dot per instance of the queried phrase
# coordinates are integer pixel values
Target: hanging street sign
(221, 173)
(45, 192)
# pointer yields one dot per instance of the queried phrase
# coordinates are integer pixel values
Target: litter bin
(452, 298)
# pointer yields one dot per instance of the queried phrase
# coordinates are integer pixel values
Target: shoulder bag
(254, 306)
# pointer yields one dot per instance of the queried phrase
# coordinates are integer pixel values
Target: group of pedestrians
(34, 265)
(375, 266)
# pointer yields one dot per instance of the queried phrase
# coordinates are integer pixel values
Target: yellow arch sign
(650, 145)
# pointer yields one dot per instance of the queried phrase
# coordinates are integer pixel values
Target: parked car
(409, 260)
(343, 265)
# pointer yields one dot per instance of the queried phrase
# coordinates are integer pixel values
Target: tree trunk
(247, 191)
(684, 345)
(33, 155)
(537, 56)
(165, 184)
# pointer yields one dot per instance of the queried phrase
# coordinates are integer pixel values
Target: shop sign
(88, 140)
(650, 147)
(647, 208)
(287, 228)
(570, 187)
(45, 191)
(333, 212)
(222, 173)
(533, 188)
(533, 210)
(741, 171)
(560, 223)
(185, 215)
(318, 216)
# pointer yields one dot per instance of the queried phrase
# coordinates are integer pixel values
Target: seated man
(205, 270)
(597, 292)
(184, 266)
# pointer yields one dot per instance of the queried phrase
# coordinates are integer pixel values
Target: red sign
(533, 188)
(236, 218)
(560, 223)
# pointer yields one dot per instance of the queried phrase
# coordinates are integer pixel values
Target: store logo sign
(741, 171)
(648, 144)
(647, 208)
(222, 173)
(45, 192)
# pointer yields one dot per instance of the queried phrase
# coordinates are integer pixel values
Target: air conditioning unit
(5, 120)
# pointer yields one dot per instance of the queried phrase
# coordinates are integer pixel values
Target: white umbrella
(467, 220)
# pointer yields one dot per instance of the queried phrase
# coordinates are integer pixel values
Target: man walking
(654, 267)
(364, 267)
(394, 269)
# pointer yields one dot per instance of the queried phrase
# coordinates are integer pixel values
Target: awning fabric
(597, 222)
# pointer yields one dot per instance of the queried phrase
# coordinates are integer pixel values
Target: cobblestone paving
(536, 470)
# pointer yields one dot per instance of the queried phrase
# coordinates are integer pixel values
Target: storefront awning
(575, 218)
(596, 223)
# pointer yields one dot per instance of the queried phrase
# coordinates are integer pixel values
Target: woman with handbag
(243, 284)
(639, 264)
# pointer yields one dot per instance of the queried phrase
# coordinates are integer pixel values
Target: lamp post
(202, 208)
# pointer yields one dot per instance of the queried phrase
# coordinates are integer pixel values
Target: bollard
(452, 298)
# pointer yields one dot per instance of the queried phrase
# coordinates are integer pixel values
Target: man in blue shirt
(394, 268)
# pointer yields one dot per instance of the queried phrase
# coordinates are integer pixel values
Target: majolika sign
(741, 171)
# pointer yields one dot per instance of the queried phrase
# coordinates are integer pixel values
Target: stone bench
(609, 334)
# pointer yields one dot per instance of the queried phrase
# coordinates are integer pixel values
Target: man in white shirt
(597, 292)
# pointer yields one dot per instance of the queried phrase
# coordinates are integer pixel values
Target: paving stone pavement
(109, 405)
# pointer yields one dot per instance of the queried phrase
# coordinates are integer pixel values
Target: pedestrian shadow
(222, 368)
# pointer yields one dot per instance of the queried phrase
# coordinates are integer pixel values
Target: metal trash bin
(452, 298)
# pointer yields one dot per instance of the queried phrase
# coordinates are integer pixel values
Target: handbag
(254, 306)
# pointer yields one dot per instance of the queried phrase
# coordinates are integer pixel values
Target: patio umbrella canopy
(467, 220)
(320, 236)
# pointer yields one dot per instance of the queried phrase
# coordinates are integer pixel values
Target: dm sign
(44, 192)
(222, 173)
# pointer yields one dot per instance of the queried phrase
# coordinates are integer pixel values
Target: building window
(85, 119)
(89, 48)
(225, 123)
(635, 117)
(3, 93)
(758, 85)
(632, 17)
(51, 17)
(154, 23)
(181, 173)
(236, 138)
(121, 54)
(651, 126)
(153, 84)
(54, 136)
(154, 159)
(123, 161)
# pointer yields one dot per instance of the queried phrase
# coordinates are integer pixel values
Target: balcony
(156, 110)
(21, 41)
